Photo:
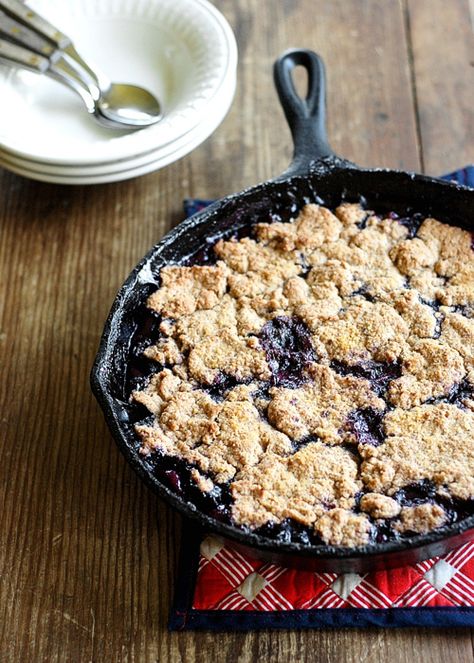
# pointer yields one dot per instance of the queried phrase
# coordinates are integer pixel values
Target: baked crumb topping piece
(420, 519)
(427, 442)
(302, 485)
(322, 373)
(322, 406)
(187, 289)
(340, 527)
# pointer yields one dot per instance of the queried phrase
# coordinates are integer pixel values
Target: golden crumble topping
(302, 485)
(322, 373)
(426, 442)
(321, 407)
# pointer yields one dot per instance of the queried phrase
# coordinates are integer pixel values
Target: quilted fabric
(227, 580)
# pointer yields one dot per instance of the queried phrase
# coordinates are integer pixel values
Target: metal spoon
(122, 103)
(119, 102)
(114, 104)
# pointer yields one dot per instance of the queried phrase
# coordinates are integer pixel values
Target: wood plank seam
(411, 65)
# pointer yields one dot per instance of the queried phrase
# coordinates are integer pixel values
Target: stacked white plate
(183, 51)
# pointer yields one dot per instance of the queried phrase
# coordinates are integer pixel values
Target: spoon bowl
(129, 104)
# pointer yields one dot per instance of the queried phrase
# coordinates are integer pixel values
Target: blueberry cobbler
(315, 382)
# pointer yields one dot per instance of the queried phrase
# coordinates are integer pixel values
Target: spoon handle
(35, 22)
(12, 53)
(21, 23)
(58, 68)
(13, 30)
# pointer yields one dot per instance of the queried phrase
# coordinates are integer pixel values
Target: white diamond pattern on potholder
(269, 598)
(345, 584)
(440, 574)
(210, 546)
(252, 586)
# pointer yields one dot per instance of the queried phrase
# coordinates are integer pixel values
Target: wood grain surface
(87, 553)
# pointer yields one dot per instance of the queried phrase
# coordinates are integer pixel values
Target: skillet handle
(306, 117)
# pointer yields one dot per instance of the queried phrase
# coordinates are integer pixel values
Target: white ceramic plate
(135, 168)
(215, 116)
(182, 50)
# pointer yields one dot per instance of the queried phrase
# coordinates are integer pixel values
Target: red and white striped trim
(421, 593)
(270, 598)
(327, 599)
(365, 595)
(232, 565)
(460, 556)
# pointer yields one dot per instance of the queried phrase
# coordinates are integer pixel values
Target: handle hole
(300, 81)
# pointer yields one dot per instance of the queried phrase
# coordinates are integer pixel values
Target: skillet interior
(328, 180)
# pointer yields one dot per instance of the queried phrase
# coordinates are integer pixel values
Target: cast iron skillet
(316, 174)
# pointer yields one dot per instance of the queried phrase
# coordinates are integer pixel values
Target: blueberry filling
(288, 349)
(379, 374)
(289, 531)
(222, 384)
(173, 479)
(146, 333)
(416, 493)
(175, 474)
(363, 222)
(457, 395)
(467, 310)
(382, 532)
(364, 292)
(412, 223)
(305, 266)
(367, 426)
(425, 492)
(438, 325)
(263, 391)
(432, 303)
(302, 442)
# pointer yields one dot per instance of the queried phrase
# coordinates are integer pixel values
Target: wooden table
(87, 552)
